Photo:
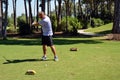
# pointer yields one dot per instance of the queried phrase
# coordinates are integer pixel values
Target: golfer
(47, 33)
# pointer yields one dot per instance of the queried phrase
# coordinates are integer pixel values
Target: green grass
(96, 59)
(105, 29)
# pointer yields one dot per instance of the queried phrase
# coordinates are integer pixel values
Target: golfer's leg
(54, 52)
(44, 49)
(53, 49)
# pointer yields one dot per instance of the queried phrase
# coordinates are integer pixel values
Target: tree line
(68, 16)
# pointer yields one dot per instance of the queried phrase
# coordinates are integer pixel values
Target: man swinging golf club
(47, 33)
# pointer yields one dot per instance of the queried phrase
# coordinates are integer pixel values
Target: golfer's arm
(37, 24)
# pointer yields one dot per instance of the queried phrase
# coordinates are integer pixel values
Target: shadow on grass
(105, 32)
(75, 41)
(20, 42)
(57, 41)
(24, 60)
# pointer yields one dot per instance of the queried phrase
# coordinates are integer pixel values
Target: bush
(24, 27)
(10, 26)
(54, 22)
(107, 17)
(96, 22)
(11, 29)
(73, 25)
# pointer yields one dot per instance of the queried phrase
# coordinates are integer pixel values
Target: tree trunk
(80, 12)
(67, 13)
(48, 7)
(0, 18)
(4, 33)
(116, 24)
(14, 12)
(37, 10)
(43, 5)
(102, 10)
(26, 15)
(74, 9)
(109, 6)
(55, 8)
(59, 15)
(30, 13)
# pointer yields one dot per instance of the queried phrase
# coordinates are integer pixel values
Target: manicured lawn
(105, 29)
(96, 59)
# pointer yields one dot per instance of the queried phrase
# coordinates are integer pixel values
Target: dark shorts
(47, 40)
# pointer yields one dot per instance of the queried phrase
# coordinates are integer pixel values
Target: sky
(20, 7)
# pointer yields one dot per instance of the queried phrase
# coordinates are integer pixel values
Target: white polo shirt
(46, 26)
